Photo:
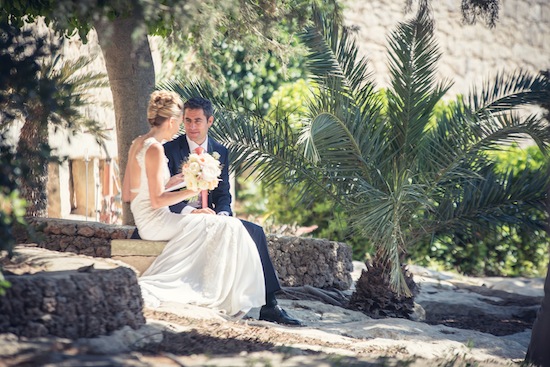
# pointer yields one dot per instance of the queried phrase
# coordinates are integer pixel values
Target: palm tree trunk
(32, 140)
(131, 74)
(374, 295)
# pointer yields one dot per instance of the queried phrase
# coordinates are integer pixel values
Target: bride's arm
(154, 168)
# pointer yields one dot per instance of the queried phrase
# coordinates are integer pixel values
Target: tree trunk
(32, 143)
(131, 74)
(538, 352)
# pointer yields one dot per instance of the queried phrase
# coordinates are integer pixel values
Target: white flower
(194, 168)
(210, 173)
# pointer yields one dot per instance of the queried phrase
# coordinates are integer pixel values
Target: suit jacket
(177, 152)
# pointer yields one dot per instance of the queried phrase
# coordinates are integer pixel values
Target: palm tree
(404, 174)
(62, 93)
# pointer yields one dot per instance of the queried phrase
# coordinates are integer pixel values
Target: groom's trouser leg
(539, 350)
(258, 235)
(135, 235)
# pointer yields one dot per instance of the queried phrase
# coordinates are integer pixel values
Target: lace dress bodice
(144, 215)
(140, 157)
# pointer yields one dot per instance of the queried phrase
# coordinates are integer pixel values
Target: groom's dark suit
(219, 200)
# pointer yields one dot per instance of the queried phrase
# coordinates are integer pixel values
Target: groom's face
(196, 124)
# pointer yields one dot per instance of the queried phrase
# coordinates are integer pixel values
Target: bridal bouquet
(201, 171)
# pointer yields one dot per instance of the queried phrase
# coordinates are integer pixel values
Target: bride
(209, 260)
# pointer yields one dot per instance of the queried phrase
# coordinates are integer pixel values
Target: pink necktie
(204, 193)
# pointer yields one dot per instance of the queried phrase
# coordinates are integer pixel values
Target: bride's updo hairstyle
(163, 105)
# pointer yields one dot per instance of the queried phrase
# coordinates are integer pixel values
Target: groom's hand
(203, 211)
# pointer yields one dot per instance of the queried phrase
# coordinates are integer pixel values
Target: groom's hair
(198, 103)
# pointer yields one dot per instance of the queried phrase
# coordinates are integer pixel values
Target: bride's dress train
(209, 260)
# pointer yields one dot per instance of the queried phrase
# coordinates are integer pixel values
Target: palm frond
(346, 109)
(413, 54)
(508, 91)
(493, 199)
(192, 88)
(65, 90)
(333, 61)
(457, 144)
(382, 214)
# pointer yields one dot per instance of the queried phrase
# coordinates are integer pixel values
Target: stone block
(126, 247)
(139, 254)
(137, 262)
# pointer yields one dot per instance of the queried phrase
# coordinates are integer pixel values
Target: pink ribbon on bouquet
(204, 193)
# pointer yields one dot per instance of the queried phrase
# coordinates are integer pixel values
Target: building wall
(471, 53)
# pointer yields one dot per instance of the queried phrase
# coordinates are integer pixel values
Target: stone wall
(298, 260)
(80, 237)
(310, 261)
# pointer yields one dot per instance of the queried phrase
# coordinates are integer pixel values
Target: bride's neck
(157, 134)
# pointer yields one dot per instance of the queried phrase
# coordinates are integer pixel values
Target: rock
(123, 340)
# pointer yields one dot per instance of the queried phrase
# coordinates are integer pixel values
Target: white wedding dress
(209, 260)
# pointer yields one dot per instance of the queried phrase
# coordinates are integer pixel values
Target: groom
(197, 119)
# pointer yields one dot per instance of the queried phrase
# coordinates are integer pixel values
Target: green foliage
(516, 159)
(12, 207)
(72, 17)
(3, 284)
(19, 54)
(503, 250)
(252, 54)
(194, 27)
(290, 101)
(235, 74)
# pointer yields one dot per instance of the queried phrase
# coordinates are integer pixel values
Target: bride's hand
(203, 211)
(174, 180)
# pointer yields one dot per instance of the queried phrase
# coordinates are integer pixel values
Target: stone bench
(139, 254)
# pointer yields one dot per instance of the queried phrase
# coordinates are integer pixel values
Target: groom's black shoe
(278, 315)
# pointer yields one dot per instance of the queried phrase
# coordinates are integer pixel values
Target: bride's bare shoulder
(137, 144)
